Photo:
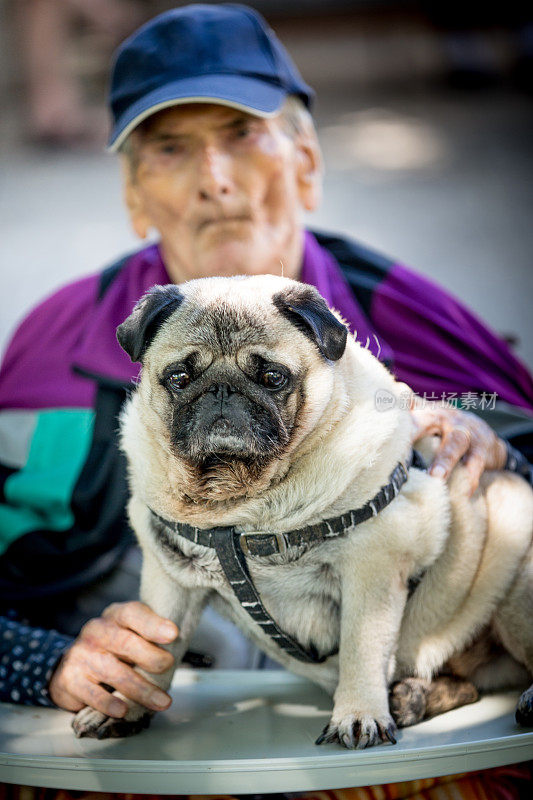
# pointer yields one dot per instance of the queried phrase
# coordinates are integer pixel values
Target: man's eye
(178, 380)
(164, 150)
(273, 379)
(171, 149)
(245, 130)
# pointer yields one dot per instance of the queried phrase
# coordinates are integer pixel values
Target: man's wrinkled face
(222, 187)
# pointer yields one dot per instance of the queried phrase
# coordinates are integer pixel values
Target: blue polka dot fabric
(28, 657)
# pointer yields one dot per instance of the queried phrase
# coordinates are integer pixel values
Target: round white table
(250, 732)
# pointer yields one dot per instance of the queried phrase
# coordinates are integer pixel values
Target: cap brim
(252, 95)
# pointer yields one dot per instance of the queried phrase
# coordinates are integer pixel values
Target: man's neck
(288, 264)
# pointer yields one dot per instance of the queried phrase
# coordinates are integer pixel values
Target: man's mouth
(224, 220)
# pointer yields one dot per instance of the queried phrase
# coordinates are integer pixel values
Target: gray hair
(296, 117)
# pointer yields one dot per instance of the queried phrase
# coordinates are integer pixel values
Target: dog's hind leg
(513, 625)
(413, 699)
(509, 505)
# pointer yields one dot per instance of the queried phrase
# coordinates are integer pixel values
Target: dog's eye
(273, 379)
(179, 379)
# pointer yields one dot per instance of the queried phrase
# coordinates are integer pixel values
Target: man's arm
(28, 657)
(66, 513)
(437, 345)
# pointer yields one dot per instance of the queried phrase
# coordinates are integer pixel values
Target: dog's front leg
(172, 601)
(373, 599)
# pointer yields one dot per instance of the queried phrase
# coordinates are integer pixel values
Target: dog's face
(236, 368)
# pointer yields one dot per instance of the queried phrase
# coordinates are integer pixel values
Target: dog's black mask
(227, 418)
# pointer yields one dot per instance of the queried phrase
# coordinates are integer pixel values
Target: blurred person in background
(220, 156)
(57, 111)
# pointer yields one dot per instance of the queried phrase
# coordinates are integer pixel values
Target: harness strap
(233, 563)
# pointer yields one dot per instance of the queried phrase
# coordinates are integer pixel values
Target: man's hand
(462, 434)
(107, 648)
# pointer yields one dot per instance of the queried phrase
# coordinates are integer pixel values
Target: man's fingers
(98, 698)
(133, 648)
(130, 683)
(106, 634)
(140, 618)
(462, 434)
(77, 683)
(455, 443)
(64, 699)
(72, 687)
(475, 464)
(427, 422)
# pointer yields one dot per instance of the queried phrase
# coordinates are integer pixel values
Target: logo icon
(384, 400)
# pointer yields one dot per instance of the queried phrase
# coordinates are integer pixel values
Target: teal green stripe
(38, 495)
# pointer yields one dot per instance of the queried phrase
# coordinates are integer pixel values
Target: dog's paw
(407, 701)
(96, 725)
(524, 709)
(357, 731)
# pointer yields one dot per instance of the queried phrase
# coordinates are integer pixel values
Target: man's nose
(214, 175)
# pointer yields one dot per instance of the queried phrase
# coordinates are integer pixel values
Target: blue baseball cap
(224, 54)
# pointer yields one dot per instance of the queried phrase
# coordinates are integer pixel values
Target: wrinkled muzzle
(224, 422)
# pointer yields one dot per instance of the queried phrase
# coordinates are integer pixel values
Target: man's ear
(153, 309)
(308, 168)
(139, 219)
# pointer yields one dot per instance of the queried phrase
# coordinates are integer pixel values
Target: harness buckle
(279, 537)
(282, 542)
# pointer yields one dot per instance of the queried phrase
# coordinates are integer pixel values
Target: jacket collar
(99, 355)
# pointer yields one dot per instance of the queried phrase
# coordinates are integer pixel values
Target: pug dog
(254, 427)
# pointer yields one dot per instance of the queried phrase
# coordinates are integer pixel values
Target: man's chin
(234, 257)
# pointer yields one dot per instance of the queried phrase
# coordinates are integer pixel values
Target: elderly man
(220, 157)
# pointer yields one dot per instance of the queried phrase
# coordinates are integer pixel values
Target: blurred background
(423, 109)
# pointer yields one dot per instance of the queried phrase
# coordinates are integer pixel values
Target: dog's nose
(222, 391)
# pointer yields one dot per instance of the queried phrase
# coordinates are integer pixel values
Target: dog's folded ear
(138, 330)
(308, 311)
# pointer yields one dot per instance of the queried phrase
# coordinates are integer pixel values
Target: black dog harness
(232, 548)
